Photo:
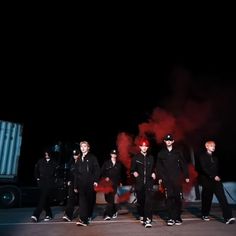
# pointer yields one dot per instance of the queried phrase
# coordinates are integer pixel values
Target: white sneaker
(65, 217)
(47, 218)
(230, 221)
(147, 223)
(170, 222)
(34, 219)
(81, 223)
(107, 218)
(178, 222)
(141, 219)
(205, 218)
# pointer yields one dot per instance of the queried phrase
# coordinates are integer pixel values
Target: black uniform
(72, 198)
(114, 173)
(170, 166)
(45, 173)
(87, 172)
(208, 171)
(144, 183)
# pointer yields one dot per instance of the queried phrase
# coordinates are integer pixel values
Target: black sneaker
(205, 218)
(34, 219)
(230, 221)
(81, 223)
(115, 215)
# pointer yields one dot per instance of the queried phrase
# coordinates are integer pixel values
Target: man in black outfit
(45, 173)
(112, 171)
(211, 184)
(72, 198)
(86, 179)
(142, 168)
(170, 165)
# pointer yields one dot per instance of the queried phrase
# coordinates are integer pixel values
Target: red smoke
(125, 147)
(192, 179)
(104, 186)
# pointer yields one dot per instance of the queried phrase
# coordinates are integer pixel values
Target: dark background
(93, 90)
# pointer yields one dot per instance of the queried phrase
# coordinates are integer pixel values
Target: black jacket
(46, 172)
(114, 172)
(208, 165)
(144, 165)
(87, 171)
(170, 165)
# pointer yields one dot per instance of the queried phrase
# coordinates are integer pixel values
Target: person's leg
(140, 202)
(109, 207)
(220, 195)
(41, 204)
(83, 206)
(69, 210)
(207, 195)
(148, 205)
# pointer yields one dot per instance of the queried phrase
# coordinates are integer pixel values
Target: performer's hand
(135, 174)
(153, 175)
(187, 180)
(159, 181)
(107, 179)
(95, 184)
(217, 178)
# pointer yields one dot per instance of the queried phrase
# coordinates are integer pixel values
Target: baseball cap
(168, 137)
(113, 151)
(76, 152)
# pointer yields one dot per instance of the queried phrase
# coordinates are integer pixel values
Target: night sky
(100, 95)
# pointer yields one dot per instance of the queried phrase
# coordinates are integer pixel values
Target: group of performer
(169, 170)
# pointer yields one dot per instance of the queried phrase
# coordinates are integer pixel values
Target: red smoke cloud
(193, 111)
(104, 186)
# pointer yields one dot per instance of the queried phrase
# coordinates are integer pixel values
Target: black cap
(168, 137)
(113, 151)
(76, 152)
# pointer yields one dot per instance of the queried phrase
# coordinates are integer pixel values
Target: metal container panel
(10, 147)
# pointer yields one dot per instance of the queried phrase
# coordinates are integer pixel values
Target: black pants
(87, 200)
(173, 193)
(44, 202)
(111, 207)
(174, 207)
(72, 201)
(210, 187)
(145, 202)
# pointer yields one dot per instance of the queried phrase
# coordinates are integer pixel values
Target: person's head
(84, 147)
(47, 155)
(113, 153)
(169, 140)
(210, 146)
(144, 145)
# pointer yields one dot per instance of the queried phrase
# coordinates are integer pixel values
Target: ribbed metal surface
(10, 145)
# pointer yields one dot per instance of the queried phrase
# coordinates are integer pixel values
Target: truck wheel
(9, 196)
